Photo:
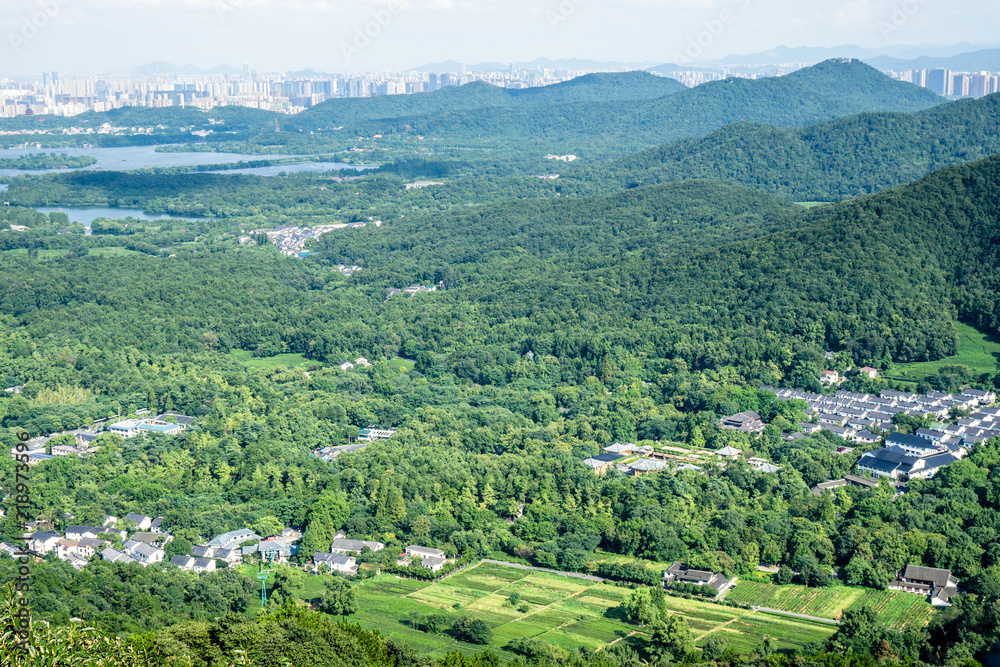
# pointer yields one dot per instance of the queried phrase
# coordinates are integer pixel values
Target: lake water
(291, 168)
(85, 216)
(141, 157)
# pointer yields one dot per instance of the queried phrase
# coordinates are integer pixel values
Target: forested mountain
(824, 91)
(233, 119)
(828, 161)
(658, 220)
(882, 278)
(598, 87)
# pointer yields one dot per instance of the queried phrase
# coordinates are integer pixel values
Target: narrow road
(575, 575)
(794, 615)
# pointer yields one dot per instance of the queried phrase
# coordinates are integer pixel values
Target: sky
(99, 36)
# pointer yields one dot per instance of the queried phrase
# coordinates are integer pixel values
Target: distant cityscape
(951, 84)
(291, 94)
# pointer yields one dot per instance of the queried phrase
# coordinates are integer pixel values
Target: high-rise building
(960, 85)
(980, 85)
(246, 71)
(939, 81)
(919, 77)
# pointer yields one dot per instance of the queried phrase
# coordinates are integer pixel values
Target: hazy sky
(96, 36)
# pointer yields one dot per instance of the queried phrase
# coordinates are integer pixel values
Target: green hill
(828, 161)
(825, 91)
(883, 277)
(599, 87)
(233, 119)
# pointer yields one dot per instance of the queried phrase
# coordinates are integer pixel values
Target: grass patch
(267, 363)
(398, 363)
(978, 350)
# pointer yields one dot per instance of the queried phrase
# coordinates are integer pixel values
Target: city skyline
(108, 35)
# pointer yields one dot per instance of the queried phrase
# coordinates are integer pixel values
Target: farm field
(561, 610)
(977, 350)
(895, 608)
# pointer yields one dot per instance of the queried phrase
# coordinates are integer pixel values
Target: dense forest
(47, 161)
(829, 161)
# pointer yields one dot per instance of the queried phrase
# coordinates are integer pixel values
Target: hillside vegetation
(829, 161)
(600, 87)
(821, 92)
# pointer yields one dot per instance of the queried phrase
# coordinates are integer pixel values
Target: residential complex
(861, 418)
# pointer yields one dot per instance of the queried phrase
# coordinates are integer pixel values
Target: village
(143, 540)
(291, 240)
(958, 422)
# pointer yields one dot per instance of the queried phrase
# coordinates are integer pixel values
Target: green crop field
(895, 608)
(560, 610)
(978, 350)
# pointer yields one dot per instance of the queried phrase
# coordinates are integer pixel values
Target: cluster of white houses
(861, 418)
(145, 544)
(78, 544)
(858, 417)
(40, 450)
(165, 424)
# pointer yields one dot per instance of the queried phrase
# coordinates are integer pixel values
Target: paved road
(794, 615)
(575, 575)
